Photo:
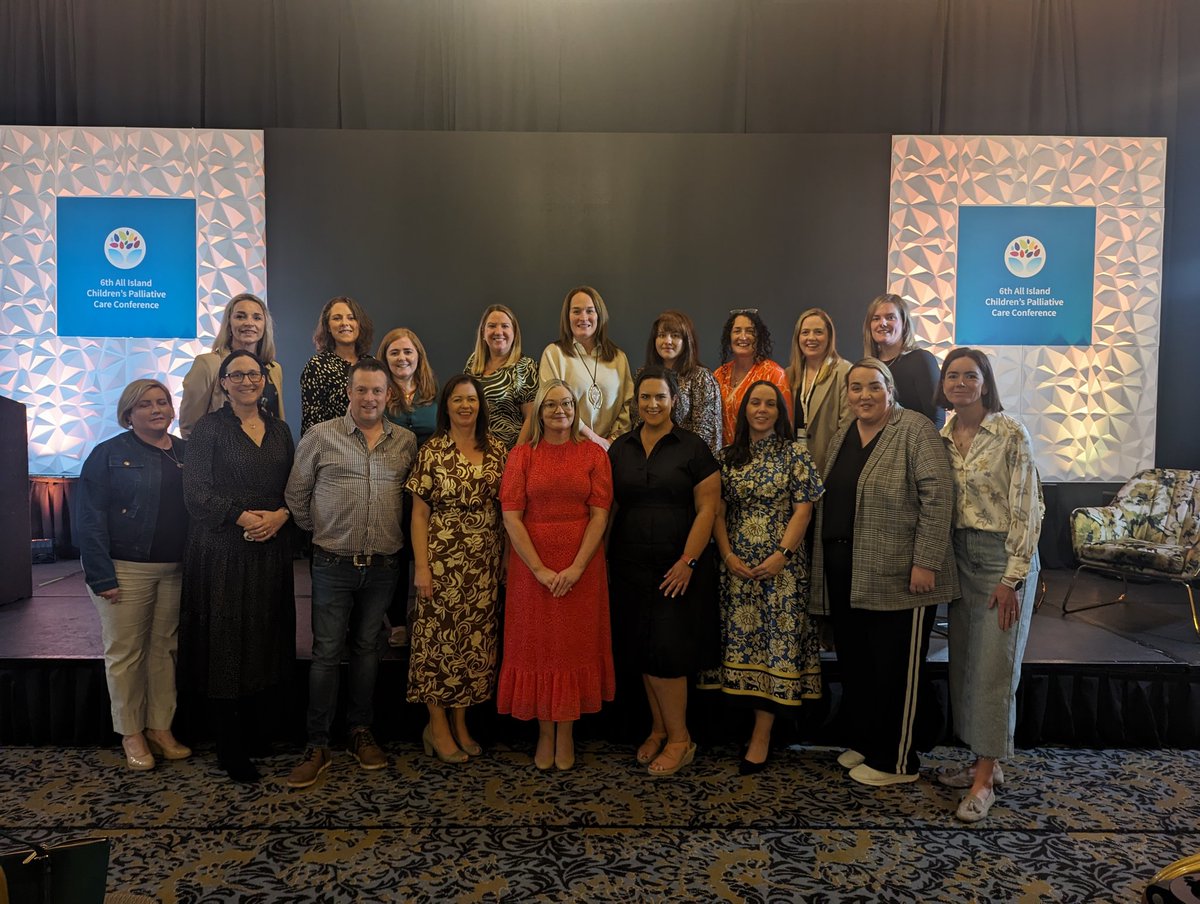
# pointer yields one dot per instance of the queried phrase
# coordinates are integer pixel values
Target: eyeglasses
(240, 376)
(737, 311)
(568, 405)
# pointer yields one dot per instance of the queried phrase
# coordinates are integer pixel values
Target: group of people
(721, 515)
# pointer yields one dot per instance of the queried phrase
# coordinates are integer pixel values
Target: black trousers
(881, 657)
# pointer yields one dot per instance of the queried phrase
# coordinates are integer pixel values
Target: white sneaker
(851, 758)
(964, 776)
(865, 775)
(973, 807)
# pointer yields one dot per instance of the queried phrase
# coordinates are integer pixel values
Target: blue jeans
(346, 600)
(985, 662)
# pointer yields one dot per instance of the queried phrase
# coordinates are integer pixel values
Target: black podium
(16, 563)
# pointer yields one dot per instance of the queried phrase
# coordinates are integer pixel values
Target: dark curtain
(900, 66)
(1086, 67)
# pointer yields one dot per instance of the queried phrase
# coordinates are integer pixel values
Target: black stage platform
(1121, 676)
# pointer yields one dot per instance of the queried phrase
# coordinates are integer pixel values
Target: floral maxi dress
(771, 653)
(453, 645)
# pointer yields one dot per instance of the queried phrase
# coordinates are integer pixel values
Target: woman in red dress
(556, 494)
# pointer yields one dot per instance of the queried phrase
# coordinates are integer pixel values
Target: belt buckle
(362, 560)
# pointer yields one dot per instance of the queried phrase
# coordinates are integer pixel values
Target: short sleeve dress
(771, 652)
(557, 652)
(453, 643)
(668, 637)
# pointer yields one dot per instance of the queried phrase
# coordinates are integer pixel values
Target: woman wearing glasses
(556, 494)
(745, 353)
(697, 406)
(237, 619)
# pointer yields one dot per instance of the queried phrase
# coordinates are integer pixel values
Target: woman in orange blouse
(746, 350)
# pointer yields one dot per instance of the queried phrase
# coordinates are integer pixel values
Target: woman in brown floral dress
(457, 541)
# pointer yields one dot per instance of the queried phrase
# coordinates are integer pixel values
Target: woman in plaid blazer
(882, 563)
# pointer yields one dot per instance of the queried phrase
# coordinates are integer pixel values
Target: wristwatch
(690, 563)
(1014, 584)
(787, 553)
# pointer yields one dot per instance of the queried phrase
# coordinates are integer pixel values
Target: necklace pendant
(594, 396)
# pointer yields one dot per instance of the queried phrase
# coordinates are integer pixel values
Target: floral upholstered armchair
(1150, 530)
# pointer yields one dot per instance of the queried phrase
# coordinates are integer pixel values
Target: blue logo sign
(127, 267)
(1025, 275)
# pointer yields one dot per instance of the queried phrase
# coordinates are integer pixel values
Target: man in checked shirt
(346, 486)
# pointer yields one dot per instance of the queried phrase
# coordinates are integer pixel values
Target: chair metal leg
(1071, 588)
(1043, 587)
(1192, 603)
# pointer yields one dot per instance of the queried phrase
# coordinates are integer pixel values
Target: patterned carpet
(1069, 826)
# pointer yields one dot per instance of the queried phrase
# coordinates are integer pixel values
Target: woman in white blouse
(997, 523)
(591, 365)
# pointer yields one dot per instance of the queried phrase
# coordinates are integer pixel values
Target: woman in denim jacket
(133, 526)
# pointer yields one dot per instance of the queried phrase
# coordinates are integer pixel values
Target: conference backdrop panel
(1046, 252)
(118, 251)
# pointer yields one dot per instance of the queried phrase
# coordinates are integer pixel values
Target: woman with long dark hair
(771, 655)
(343, 335)
(697, 406)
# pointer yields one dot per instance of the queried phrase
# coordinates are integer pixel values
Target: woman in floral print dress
(457, 541)
(771, 655)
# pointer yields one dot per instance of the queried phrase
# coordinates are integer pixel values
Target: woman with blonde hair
(595, 370)
(889, 336)
(132, 524)
(817, 373)
(556, 495)
(247, 324)
(509, 379)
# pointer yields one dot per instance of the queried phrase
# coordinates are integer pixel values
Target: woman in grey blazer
(882, 563)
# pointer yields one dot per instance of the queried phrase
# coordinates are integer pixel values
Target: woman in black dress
(238, 617)
(666, 489)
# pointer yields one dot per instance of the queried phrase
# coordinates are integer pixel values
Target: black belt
(362, 560)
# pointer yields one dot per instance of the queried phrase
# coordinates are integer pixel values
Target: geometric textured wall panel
(71, 385)
(1090, 409)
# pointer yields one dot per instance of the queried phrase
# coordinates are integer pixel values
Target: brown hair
(424, 378)
(323, 339)
(566, 339)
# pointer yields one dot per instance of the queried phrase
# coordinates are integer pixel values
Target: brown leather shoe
(369, 754)
(316, 761)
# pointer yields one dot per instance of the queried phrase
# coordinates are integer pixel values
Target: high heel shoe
(472, 749)
(687, 756)
(169, 750)
(455, 758)
(138, 762)
(745, 767)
